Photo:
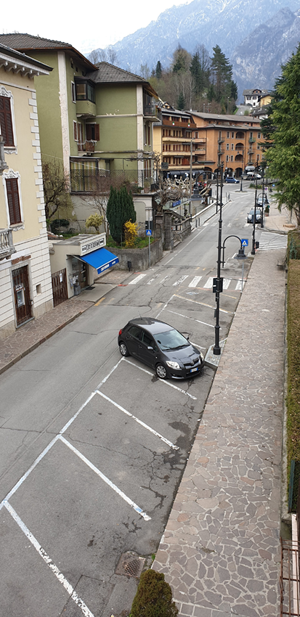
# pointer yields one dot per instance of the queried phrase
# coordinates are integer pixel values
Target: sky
(104, 23)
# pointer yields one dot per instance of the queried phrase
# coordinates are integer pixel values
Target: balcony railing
(6, 243)
(150, 110)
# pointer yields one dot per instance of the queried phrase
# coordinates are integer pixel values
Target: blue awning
(101, 260)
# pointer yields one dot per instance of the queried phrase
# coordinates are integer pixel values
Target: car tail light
(120, 332)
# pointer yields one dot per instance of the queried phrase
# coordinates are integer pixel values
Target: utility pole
(218, 287)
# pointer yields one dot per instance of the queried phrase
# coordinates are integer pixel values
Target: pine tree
(221, 75)
(181, 101)
(120, 209)
(284, 133)
(158, 70)
(197, 74)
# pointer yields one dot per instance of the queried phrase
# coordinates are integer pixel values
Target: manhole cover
(130, 565)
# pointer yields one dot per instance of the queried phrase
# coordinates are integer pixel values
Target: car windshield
(171, 339)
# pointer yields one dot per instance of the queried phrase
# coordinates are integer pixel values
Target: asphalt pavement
(221, 547)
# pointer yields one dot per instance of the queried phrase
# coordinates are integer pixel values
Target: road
(93, 445)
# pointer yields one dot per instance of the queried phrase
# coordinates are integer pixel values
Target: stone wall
(139, 258)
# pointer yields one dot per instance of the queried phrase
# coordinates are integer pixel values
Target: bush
(130, 234)
(57, 224)
(153, 597)
(120, 208)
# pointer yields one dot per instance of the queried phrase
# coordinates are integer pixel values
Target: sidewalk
(32, 334)
(221, 548)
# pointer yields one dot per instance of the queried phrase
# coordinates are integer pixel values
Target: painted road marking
(106, 480)
(182, 278)
(47, 449)
(240, 284)
(109, 374)
(209, 283)
(201, 304)
(59, 575)
(226, 283)
(137, 279)
(167, 383)
(197, 320)
(146, 426)
(195, 281)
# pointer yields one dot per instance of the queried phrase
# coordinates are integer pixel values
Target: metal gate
(22, 295)
(59, 287)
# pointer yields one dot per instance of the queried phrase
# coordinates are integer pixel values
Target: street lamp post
(219, 281)
(254, 220)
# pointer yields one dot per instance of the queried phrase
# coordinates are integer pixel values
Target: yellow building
(25, 276)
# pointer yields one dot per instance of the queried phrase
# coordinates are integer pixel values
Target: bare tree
(56, 184)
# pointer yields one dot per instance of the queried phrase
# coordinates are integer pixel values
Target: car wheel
(123, 350)
(161, 371)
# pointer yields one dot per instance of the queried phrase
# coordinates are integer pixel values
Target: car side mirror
(150, 348)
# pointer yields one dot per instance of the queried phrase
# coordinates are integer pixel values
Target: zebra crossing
(195, 282)
(269, 241)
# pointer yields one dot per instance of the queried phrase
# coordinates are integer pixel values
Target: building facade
(25, 276)
(96, 120)
(234, 141)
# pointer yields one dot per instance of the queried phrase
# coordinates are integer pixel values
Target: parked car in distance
(262, 200)
(161, 347)
(250, 215)
(231, 180)
(252, 176)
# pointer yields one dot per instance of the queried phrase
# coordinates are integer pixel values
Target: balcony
(151, 111)
(6, 243)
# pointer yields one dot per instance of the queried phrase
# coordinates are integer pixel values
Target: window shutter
(75, 130)
(12, 190)
(6, 121)
(97, 132)
(88, 130)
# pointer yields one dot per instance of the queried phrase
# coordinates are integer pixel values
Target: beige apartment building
(25, 276)
(206, 141)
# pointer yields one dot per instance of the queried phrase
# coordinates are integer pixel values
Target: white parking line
(226, 283)
(109, 374)
(146, 426)
(167, 383)
(47, 449)
(193, 319)
(67, 586)
(182, 278)
(201, 304)
(137, 279)
(165, 306)
(195, 281)
(106, 480)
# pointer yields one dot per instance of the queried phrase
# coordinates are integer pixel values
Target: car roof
(154, 326)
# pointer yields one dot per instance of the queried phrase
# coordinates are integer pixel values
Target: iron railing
(290, 579)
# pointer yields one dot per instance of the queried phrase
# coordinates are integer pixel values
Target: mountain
(257, 60)
(226, 23)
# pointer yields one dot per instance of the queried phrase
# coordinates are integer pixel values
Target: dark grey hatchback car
(160, 346)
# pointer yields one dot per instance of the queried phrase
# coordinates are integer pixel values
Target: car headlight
(173, 364)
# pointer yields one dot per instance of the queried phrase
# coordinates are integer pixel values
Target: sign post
(149, 234)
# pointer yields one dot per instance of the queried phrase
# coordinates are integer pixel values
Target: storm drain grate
(130, 565)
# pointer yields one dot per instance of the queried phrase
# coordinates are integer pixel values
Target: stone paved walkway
(221, 548)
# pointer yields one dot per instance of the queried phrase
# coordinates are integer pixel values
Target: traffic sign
(244, 242)
(148, 232)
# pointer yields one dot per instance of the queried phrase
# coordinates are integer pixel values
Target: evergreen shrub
(153, 597)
